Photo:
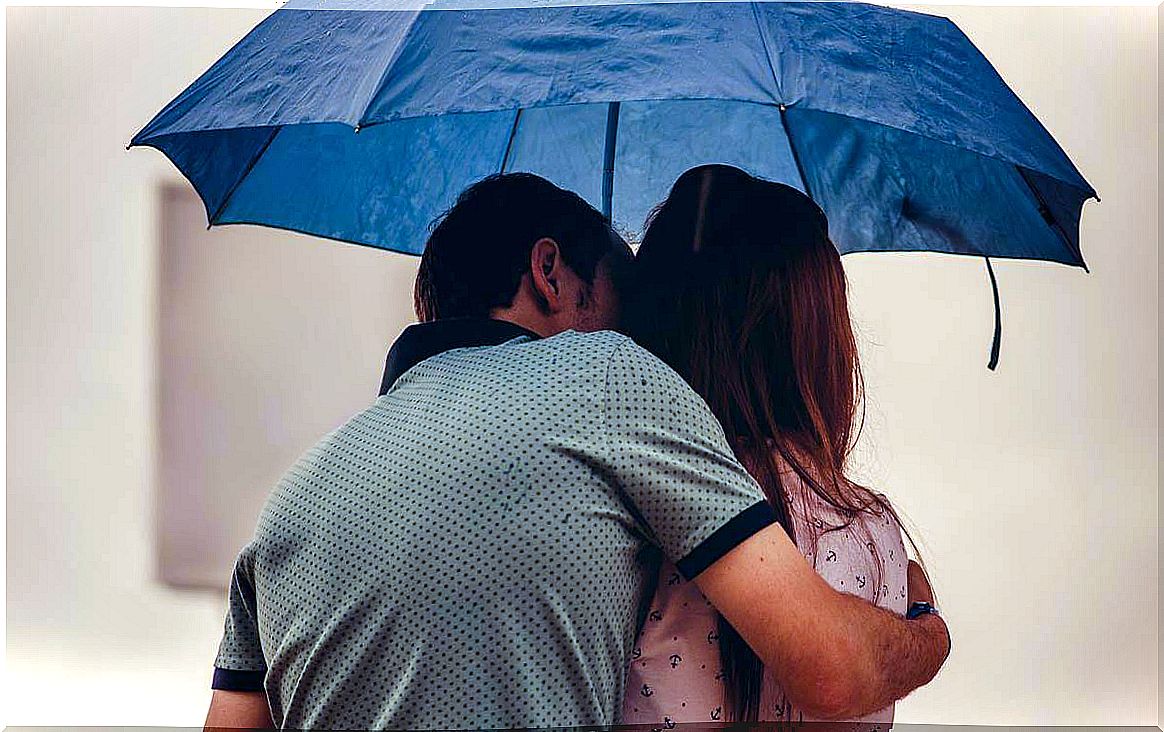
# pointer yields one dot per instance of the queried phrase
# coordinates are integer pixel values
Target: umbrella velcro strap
(997, 344)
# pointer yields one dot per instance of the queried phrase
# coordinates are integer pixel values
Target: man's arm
(836, 655)
(239, 667)
(239, 709)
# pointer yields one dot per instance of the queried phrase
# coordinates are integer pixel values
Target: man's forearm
(238, 709)
(893, 656)
(835, 655)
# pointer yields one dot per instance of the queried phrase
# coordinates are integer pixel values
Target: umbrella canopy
(362, 124)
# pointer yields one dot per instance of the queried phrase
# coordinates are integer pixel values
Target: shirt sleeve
(240, 665)
(668, 454)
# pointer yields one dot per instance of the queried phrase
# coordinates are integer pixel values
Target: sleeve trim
(227, 679)
(727, 537)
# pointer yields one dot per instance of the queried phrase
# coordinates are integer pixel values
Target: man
(475, 549)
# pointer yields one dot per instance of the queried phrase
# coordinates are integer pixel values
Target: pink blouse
(675, 674)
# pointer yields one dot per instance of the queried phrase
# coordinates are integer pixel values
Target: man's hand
(239, 709)
(919, 590)
(836, 655)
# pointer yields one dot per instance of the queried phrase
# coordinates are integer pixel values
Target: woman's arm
(919, 585)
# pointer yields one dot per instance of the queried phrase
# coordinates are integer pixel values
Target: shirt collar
(425, 340)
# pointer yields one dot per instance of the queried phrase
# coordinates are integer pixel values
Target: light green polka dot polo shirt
(476, 548)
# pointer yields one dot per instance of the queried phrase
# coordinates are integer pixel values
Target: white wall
(87, 628)
(1036, 487)
(249, 319)
(1160, 347)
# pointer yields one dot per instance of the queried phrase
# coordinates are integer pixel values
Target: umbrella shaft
(608, 158)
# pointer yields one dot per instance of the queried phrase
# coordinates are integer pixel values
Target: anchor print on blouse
(856, 577)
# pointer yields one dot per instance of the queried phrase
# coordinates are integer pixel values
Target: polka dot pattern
(475, 549)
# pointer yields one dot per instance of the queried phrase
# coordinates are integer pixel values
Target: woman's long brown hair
(741, 292)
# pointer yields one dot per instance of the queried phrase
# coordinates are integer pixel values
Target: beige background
(1036, 488)
(249, 318)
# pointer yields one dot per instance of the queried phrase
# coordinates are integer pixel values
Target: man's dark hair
(479, 249)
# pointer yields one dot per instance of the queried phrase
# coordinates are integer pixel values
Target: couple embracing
(597, 488)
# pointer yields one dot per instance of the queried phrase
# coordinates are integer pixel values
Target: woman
(743, 294)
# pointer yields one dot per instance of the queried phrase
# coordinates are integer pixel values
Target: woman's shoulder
(813, 515)
(880, 518)
(796, 489)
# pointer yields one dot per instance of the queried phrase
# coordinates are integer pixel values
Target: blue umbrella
(360, 123)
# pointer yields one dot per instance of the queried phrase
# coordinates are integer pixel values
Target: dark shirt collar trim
(425, 340)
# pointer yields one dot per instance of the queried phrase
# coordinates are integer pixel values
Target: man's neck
(526, 317)
(425, 340)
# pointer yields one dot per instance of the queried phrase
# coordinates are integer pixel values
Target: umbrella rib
(767, 53)
(386, 70)
(782, 106)
(1002, 158)
(509, 142)
(1047, 216)
(795, 154)
(247, 171)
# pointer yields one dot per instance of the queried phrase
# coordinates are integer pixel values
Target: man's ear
(545, 266)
